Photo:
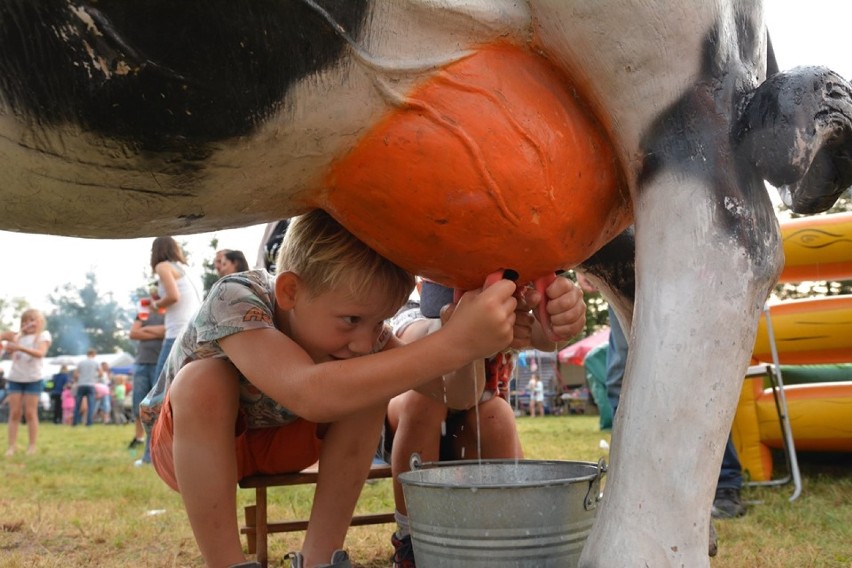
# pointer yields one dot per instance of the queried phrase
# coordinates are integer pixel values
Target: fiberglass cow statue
(458, 137)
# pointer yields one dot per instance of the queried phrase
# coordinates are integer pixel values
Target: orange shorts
(284, 449)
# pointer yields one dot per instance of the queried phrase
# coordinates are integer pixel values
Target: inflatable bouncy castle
(809, 343)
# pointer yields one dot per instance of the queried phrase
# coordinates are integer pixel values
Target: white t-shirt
(539, 391)
(26, 368)
(179, 314)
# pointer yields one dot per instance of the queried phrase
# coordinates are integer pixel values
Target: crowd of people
(319, 355)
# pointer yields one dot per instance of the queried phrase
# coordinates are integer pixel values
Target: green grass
(80, 502)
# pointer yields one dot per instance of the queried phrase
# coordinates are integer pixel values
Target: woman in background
(175, 293)
(176, 298)
(24, 384)
(229, 262)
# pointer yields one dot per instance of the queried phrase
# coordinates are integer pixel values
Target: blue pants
(143, 381)
(731, 475)
(164, 356)
(89, 392)
(144, 378)
(616, 359)
(161, 362)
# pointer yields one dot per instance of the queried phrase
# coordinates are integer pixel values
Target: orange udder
(490, 163)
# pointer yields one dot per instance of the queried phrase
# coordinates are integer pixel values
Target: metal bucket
(501, 513)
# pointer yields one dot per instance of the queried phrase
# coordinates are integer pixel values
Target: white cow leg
(698, 294)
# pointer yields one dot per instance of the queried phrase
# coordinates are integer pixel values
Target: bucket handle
(416, 463)
(595, 494)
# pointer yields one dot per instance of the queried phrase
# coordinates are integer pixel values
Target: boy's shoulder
(252, 286)
(237, 302)
(259, 280)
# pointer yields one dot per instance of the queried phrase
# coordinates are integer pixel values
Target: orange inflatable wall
(810, 331)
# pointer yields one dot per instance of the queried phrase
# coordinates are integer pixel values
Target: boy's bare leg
(498, 434)
(416, 421)
(204, 400)
(345, 459)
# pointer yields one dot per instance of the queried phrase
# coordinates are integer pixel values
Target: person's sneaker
(727, 504)
(403, 552)
(135, 442)
(339, 559)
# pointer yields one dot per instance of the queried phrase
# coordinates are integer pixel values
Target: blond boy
(276, 373)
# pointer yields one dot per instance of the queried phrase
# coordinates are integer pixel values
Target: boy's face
(335, 325)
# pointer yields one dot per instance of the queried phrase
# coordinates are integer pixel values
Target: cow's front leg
(707, 252)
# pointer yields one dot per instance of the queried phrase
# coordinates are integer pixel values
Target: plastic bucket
(501, 513)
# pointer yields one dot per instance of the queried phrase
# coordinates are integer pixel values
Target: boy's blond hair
(326, 256)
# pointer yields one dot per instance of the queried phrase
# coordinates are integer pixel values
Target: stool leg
(261, 530)
(251, 528)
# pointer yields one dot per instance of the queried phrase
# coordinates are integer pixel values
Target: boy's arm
(325, 392)
(458, 390)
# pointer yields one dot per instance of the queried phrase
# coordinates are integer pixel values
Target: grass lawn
(80, 502)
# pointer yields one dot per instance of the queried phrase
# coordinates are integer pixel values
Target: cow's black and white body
(194, 116)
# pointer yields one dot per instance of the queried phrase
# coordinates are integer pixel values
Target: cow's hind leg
(707, 253)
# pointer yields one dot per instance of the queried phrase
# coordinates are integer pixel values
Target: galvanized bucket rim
(596, 470)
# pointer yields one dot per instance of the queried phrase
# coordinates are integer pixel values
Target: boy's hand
(522, 332)
(566, 308)
(483, 320)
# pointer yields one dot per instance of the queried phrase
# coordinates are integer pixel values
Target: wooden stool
(257, 527)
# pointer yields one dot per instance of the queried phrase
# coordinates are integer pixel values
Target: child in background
(119, 394)
(440, 431)
(103, 404)
(536, 392)
(278, 372)
(24, 384)
(68, 403)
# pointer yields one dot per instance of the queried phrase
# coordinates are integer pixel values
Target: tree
(83, 320)
(597, 313)
(10, 312)
(210, 276)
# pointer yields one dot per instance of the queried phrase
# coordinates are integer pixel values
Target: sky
(44, 262)
(803, 33)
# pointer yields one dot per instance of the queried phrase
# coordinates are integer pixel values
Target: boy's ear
(286, 287)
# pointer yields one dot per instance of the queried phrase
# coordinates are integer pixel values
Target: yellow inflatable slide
(813, 338)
